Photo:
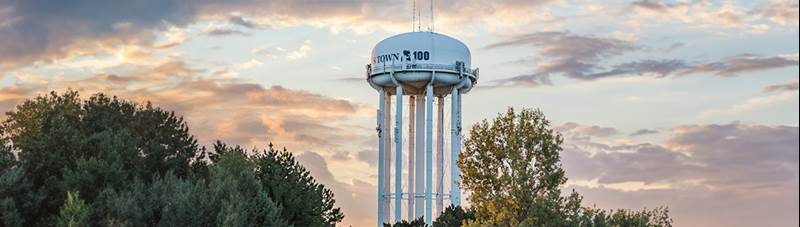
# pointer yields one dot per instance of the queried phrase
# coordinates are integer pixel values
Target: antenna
(413, 14)
(431, 25)
(419, 19)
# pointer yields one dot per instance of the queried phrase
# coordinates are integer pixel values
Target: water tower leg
(381, 153)
(411, 113)
(387, 155)
(440, 155)
(429, 155)
(455, 142)
(420, 159)
(398, 154)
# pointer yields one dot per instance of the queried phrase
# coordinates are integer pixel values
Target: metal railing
(457, 67)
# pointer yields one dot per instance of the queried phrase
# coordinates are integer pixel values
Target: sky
(687, 104)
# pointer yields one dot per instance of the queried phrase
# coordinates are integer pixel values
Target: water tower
(418, 67)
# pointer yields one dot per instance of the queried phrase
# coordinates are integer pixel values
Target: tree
(74, 213)
(16, 199)
(302, 200)
(64, 143)
(419, 222)
(453, 216)
(137, 165)
(649, 218)
(236, 189)
(511, 166)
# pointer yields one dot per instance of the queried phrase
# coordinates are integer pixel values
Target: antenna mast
(419, 18)
(431, 25)
(413, 14)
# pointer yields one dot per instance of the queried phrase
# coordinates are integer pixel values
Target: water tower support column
(429, 153)
(455, 172)
(419, 204)
(387, 158)
(381, 153)
(440, 155)
(411, 113)
(398, 140)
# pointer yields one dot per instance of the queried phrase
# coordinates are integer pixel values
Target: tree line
(106, 161)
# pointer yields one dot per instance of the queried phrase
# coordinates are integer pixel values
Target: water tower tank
(412, 58)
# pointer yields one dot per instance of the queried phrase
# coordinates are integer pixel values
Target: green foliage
(64, 143)
(658, 217)
(137, 165)
(511, 165)
(74, 213)
(419, 222)
(9, 215)
(453, 216)
(304, 202)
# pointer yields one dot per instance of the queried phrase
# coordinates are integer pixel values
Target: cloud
(368, 156)
(748, 105)
(247, 113)
(43, 31)
(782, 12)
(585, 57)
(657, 6)
(576, 130)
(574, 56)
(568, 45)
(241, 21)
(360, 80)
(642, 132)
(217, 31)
(279, 52)
(702, 14)
(301, 52)
(714, 16)
(789, 86)
(732, 66)
(657, 68)
(533, 80)
(721, 157)
(47, 31)
(735, 169)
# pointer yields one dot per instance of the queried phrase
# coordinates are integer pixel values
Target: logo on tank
(403, 56)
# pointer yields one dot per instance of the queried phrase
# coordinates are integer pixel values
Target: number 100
(422, 55)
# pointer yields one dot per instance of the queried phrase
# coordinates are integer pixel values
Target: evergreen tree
(453, 216)
(74, 213)
(419, 222)
(302, 200)
(137, 165)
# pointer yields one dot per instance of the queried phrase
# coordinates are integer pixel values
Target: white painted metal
(387, 158)
(455, 173)
(457, 194)
(411, 134)
(429, 154)
(381, 153)
(420, 65)
(419, 202)
(440, 155)
(411, 58)
(398, 190)
(447, 49)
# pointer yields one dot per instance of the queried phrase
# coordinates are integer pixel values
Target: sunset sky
(687, 104)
